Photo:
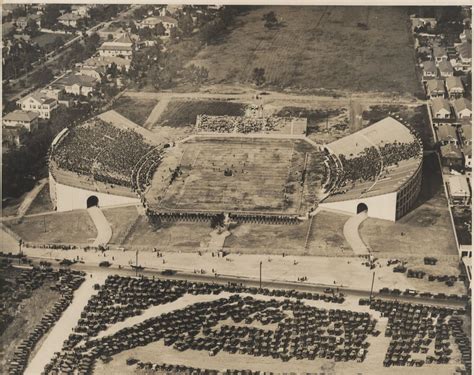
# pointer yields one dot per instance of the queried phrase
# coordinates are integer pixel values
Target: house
(78, 84)
(107, 61)
(94, 72)
(424, 52)
(70, 19)
(447, 134)
(14, 136)
(19, 118)
(462, 108)
(466, 135)
(439, 54)
(22, 22)
(468, 158)
(52, 92)
(38, 103)
(171, 9)
(454, 87)
(465, 52)
(417, 22)
(445, 69)
(429, 70)
(458, 189)
(440, 108)
(122, 46)
(466, 35)
(168, 23)
(81, 10)
(435, 88)
(116, 32)
(451, 157)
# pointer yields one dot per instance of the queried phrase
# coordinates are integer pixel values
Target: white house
(439, 54)
(429, 70)
(440, 108)
(122, 46)
(19, 118)
(107, 61)
(455, 87)
(70, 19)
(458, 189)
(78, 84)
(462, 108)
(435, 88)
(38, 103)
(445, 69)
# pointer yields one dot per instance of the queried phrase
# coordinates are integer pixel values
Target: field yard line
(156, 113)
(63, 327)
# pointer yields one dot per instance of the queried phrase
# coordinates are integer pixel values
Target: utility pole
(20, 254)
(260, 274)
(136, 263)
(372, 287)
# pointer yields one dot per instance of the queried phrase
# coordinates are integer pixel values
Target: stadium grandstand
(377, 169)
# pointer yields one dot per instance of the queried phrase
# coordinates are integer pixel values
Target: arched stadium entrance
(362, 207)
(92, 201)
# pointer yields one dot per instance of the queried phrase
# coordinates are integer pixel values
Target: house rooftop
(462, 104)
(78, 79)
(450, 151)
(439, 51)
(69, 17)
(438, 104)
(454, 83)
(19, 115)
(446, 132)
(445, 66)
(429, 66)
(435, 85)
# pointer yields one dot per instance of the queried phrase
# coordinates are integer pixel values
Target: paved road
(352, 235)
(61, 330)
(104, 231)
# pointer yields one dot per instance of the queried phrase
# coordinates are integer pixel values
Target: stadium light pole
(372, 287)
(260, 274)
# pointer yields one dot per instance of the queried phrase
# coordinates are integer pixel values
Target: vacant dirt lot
(424, 231)
(319, 48)
(136, 110)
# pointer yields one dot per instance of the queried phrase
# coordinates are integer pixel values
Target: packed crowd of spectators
(240, 124)
(368, 164)
(101, 150)
(142, 173)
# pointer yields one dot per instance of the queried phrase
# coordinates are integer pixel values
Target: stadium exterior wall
(68, 198)
(379, 207)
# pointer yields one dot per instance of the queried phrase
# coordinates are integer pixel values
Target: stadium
(251, 171)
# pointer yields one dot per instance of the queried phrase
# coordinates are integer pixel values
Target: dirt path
(156, 113)
(28, 200)
(63, 327)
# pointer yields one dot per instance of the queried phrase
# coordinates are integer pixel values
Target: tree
(160, 29)
(270, 19)
(197, 75)
(217, 221)
(42, 77)
(258, 76)
(185, 24)
(50, 15)
(212, 31)
(110, 37)
(174, 34)
(133, 27)
(31, 27)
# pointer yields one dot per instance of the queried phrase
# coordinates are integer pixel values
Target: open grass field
(42, 202)
(47, 38)
(121, 220)
(426, 230)
(318, 48)
(181, 113)
(326, 238)
(136, 110)
(59, 227)
(266, 175)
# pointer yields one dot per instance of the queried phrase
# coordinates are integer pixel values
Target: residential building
(454, 87)
(22, 22)
(78, 84)
(466, 135)
(447, 134)
(38, 103)
(440, 108)
(81, 10)
(445, 69)
(452, 157)
(435, 88)
(429, 70)
(466, 35)
(468, 158)
(52, 92)
(458, 189)
(70, 19)
(106, 61)
(20, 118)
(96, 73)
(14, 136)
(168, 23)
(416, 22)
(462, 108)
(439, 54)
(122, 46)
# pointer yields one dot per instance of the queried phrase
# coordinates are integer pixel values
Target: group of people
(368, 164)
(142, 173)
(101, 150)
(240, 124)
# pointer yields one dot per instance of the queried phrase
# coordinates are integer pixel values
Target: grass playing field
(266, 175)
(318, 48)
